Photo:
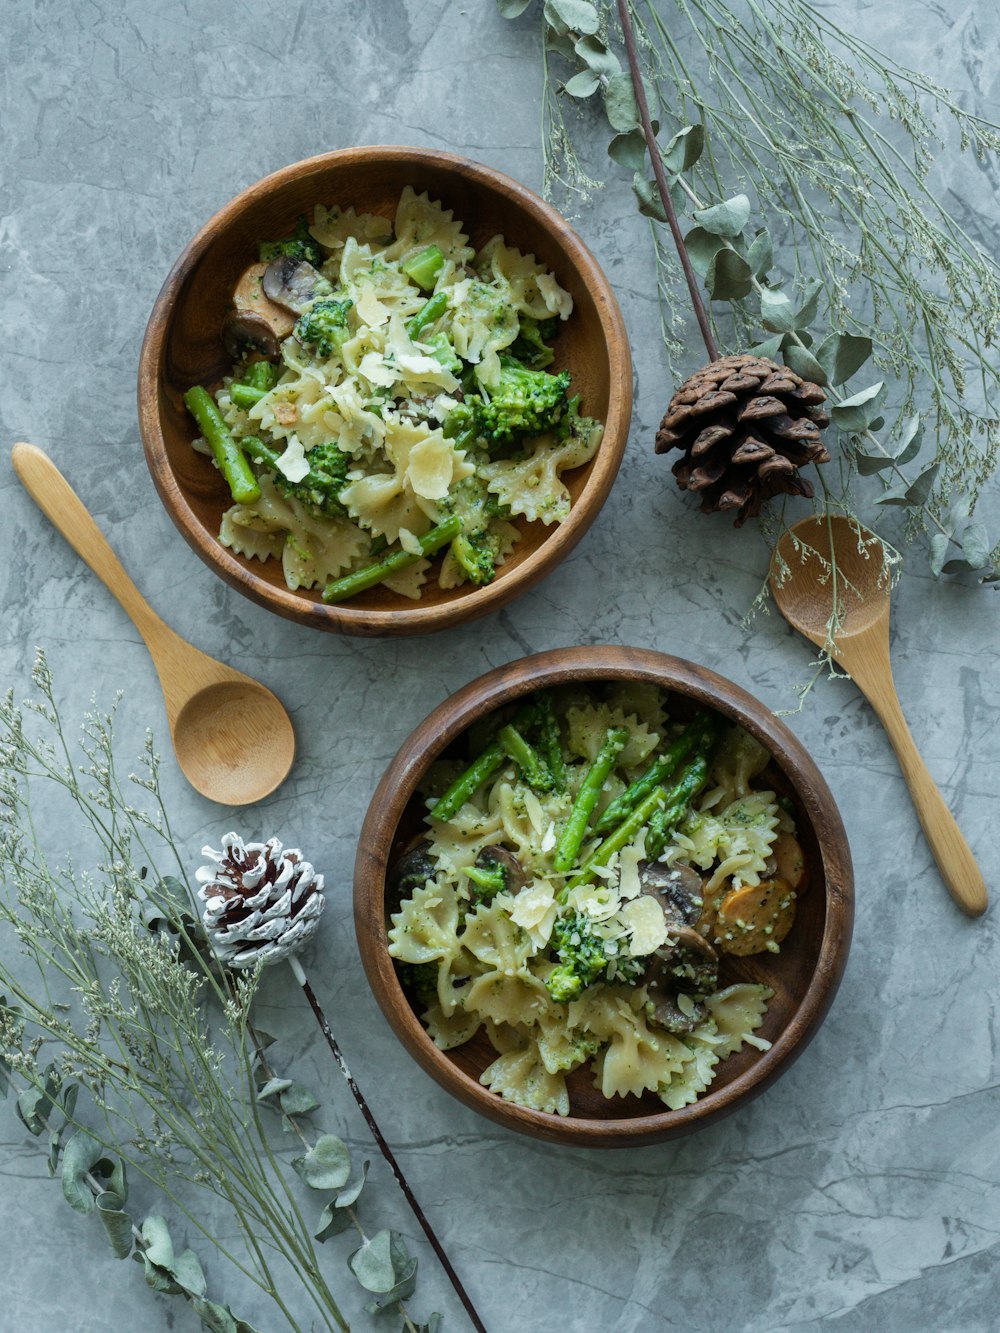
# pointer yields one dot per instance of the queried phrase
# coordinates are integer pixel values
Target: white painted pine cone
(261, 903)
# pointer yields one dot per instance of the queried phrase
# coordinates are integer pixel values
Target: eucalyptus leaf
(82, 1155)
(806, 312)
(332, 1222)
(433, 1325)
(593, 52)
(726, 219)
(219, 1318)
(272, 1087)
(961, 566)
(34, 1104)
(510, 9)
(648, 195)
(620, 105)
(843, 354)
(572, 16)
(380, 1261)
(911, 439)
(918, 491)
(804, 363)
(353, 1192)
(896, 495)
(582, 84)
(939, 544)
(116, 1222)
(327, 1164)
(166, 1271)
(297, 1100)
(869, 464)
(876, 424)
(702, 247)
(685, 148)
(776, 310)
(761, 255)
(976, 546)
(561, 44)
(770, 347)
(629, 150)
(728, 277)
(860, 410)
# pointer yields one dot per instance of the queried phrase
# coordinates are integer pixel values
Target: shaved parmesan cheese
(535, 812)
(375, 370)
(430, 467)
(549, 841)
(370, 309)
(534, 910)
(410, 542)
(628, 882)
(293, 463)
(643, 918)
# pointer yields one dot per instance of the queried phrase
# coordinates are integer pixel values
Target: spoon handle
(961, 874)
(65, 511)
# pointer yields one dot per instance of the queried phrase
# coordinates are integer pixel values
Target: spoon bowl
(830, 582)
(233, 738)
(824, 559)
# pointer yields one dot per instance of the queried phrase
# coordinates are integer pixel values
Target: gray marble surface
(863, 1190)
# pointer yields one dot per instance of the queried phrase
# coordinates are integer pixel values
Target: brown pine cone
(746, 426)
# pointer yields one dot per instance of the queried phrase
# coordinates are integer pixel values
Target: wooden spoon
(233, 738)
(801, 581)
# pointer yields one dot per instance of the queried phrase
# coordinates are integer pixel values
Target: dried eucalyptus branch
(796, 112)
(138, 1014)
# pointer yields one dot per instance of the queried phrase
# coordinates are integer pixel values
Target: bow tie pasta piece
(521, 1077)
(738, 1012)
(696, 1074)
(333, 227)
(421, 222)
(533, 290)
(531, 485)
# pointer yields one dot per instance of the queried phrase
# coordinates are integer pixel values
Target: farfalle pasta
(392, 400)
(581, 886)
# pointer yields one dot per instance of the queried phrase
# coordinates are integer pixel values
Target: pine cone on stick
(746, 426)
(262, 903)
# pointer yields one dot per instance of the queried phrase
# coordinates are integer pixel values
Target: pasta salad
(393, 397)
(578, 888)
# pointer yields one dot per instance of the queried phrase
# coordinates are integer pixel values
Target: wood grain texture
(233, 738)
(804, 976)
(183, 346)
(805, 598)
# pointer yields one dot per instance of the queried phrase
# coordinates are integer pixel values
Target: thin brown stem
(383, 1146)
(701, 313)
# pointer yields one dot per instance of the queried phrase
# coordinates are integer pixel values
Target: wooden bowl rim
(601, 662)
(415, 618)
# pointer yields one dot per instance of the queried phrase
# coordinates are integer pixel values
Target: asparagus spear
(339, 590)
(663, 822)
(427, 314)
(259, 380)
(586, 798)
(550, 743)
(232, 464)
(527, 759)
(468, 783)
(424, 267)
(621, 837)
(655, 775)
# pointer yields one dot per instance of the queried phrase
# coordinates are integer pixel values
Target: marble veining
(862, 1192)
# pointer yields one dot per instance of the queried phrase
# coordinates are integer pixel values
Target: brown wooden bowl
(804, 975)
(183, 346)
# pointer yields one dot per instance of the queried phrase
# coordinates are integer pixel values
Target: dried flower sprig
(131, 1009)
(784, 104)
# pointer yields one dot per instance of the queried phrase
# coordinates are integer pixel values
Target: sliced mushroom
(664, 1011)
(290, 282)
(244, 332)
(677, 888)
(249, 298)
(514, 878)
(412, 871)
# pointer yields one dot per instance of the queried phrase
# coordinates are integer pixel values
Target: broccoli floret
(530, 347)
(324, 326)
(298, 246)
(581, 955)
(476, 555)
(320, 488)
(420, 981)
(485, 882)
(522, 402)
